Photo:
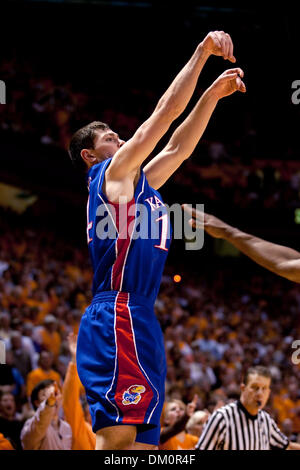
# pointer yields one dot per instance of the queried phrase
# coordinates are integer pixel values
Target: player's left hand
(228, 83)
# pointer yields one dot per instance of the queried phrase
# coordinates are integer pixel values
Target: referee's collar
(250, 416)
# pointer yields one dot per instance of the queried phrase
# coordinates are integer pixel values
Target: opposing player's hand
(211, 224)
(229, 82)
(220, 44)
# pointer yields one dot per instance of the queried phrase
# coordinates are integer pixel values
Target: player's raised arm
(187, 135)
(131, 155)
(279, 259)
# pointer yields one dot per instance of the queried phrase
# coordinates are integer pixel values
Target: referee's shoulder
(265, 414)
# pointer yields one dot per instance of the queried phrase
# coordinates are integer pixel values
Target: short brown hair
(257, 370)
(35, 392)
(84, 139)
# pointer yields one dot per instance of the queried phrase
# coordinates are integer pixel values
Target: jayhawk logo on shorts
(133, 394)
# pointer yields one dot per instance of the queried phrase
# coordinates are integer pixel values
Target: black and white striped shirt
(231, 427)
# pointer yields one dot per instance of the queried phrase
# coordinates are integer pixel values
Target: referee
(243, 425)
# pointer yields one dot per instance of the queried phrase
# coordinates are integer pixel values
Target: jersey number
(164, 232)
(89, 224)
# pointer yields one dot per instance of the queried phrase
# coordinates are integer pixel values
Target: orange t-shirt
(51, 341)
(175, 444)
(5, 444)
(37, 375)
(287, 412)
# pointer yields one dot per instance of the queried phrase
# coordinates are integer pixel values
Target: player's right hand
(219, 43)
(228, 83)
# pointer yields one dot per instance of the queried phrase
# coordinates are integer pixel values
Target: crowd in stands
(49, 110)
(216, 324)
(258, 184)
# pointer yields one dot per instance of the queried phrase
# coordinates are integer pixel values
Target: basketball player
(279, 259)
(121, 358)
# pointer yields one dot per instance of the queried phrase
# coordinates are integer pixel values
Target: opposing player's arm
(187, 135)
(132, 154)
(279, 259)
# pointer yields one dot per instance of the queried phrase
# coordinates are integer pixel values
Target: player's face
(106, 144)
(256, 393)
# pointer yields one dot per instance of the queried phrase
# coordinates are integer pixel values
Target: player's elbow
(179, 148)
(290, 270)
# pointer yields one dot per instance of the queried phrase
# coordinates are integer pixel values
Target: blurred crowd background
(226, 313)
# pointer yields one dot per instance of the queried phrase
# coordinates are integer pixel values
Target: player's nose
(121, 142)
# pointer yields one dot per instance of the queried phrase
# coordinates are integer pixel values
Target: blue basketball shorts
(121, 363)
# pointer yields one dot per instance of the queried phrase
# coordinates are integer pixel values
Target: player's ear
(88, 157)
(243, 386)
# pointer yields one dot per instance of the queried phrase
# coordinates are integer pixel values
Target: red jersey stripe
(124, 221)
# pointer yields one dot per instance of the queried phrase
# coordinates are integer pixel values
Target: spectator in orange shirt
(43, 372)
(291, 407)
(175, 417)
(5, 444)
(83, 437)
(47, 336)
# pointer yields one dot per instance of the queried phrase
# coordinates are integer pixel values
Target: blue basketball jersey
(128, 243)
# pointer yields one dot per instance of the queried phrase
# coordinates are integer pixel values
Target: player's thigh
(115, 437)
